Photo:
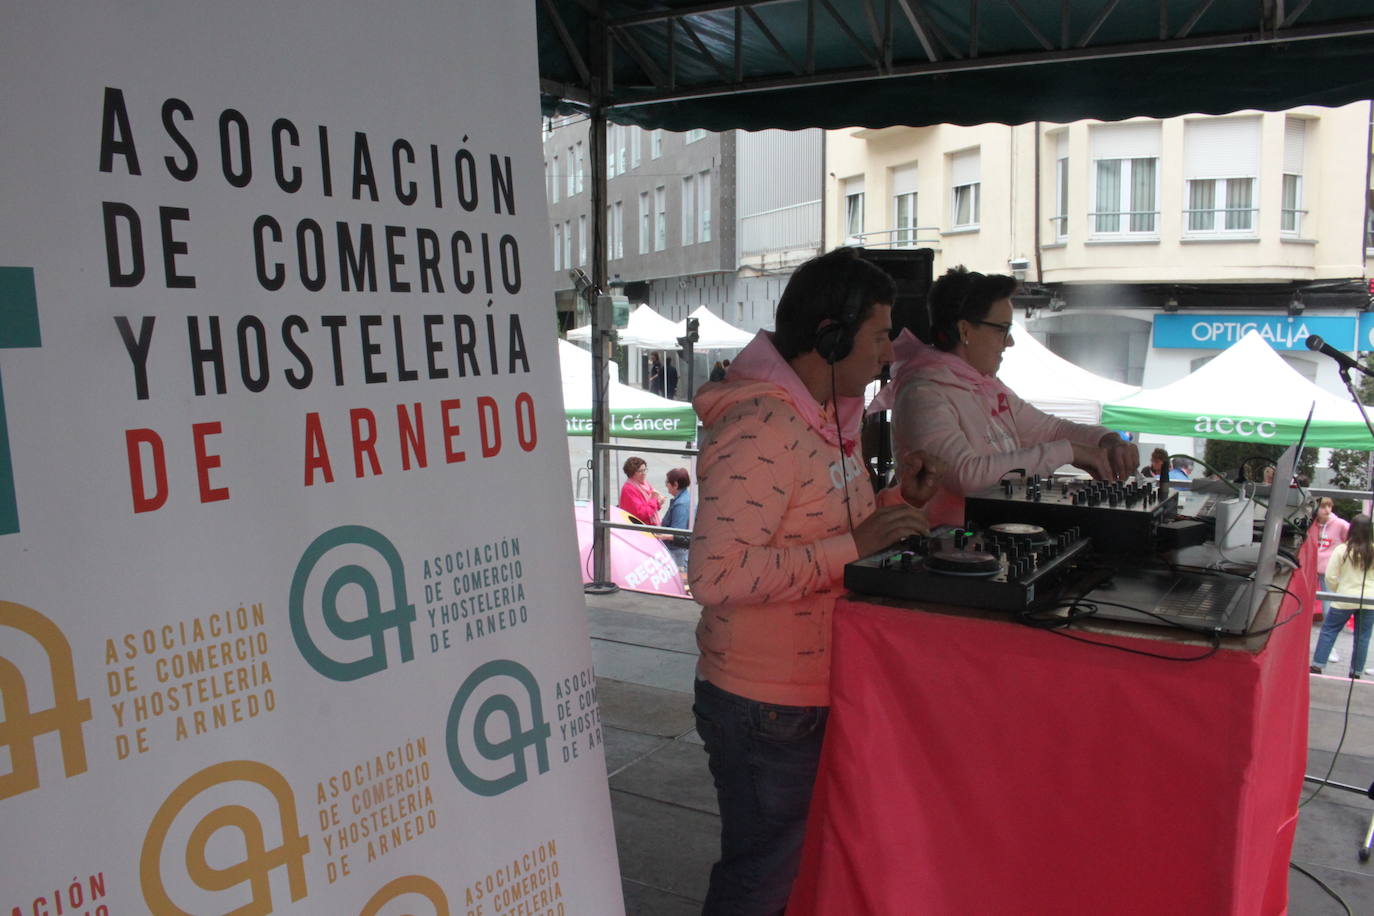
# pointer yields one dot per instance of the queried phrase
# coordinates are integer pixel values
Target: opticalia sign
(1283, 332)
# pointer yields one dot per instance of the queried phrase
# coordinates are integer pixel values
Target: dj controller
(1021, 544)
(1005, 567)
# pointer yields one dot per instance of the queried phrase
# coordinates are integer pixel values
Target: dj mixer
(1006, 566)
(1119, 517)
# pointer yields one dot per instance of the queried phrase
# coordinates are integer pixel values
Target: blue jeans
(763, 760)
(1332, 622)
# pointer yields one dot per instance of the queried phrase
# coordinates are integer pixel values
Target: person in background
(637, 497)
(1159, 462)
(1330, 531)
(679, 514)
(947, 401)
(670, 374)
(655, 374)
(1350, 571)
(1182, 468)
(717, 372)
(784, 504)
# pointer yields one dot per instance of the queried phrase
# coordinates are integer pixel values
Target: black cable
(1322, 884)
(839, 435)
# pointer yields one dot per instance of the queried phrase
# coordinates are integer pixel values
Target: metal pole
(602, 333)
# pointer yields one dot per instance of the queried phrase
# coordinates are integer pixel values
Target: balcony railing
(912, 237)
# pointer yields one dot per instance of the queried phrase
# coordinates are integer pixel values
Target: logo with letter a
(408, 884)
(22, 724)
(511, 736)
(350, 543)
(258, 861)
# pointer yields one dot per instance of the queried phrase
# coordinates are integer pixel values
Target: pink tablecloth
(979, 766)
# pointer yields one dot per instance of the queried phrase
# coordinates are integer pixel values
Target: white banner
(290, 614)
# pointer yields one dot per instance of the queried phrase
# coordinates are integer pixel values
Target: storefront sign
(1283, 332)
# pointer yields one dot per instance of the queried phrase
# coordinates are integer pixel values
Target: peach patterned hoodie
(772, 531)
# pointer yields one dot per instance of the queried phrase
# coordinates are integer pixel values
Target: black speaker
(913, 271)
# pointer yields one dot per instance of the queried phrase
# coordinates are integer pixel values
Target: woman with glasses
(946, 400)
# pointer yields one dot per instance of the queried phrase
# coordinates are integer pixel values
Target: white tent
(1247, 394)
(1054, 384)
(714, 332)
(635, 413)
(645, 328)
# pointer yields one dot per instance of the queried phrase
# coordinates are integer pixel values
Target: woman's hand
(1093, 459)
(1122, 457)
(919, 476)
(888, 526)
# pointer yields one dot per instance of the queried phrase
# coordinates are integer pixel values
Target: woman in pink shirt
(1330, 531)
(784, 504)
(949, 402)
(637, 497)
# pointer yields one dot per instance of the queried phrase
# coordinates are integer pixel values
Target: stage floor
(667, 827)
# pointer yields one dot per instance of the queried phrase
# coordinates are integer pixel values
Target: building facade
(1146, 246)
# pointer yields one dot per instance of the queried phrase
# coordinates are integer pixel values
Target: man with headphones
(785, 503)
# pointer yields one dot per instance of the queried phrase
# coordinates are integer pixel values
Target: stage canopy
(723, 64)
(714, 332)
(645, 328)
(1246, 394)
(1054, 384)
(635, 413)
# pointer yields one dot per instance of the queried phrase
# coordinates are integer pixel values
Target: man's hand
(888, 526)
(919, 476)
(1122, 457)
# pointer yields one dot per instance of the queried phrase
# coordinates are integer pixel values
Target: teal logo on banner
(374, 622)
(18, 328)
(1283, 332)
(516, 738)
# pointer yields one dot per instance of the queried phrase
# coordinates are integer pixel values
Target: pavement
(668, 827)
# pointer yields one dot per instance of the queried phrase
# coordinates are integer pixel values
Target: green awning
(670, 423)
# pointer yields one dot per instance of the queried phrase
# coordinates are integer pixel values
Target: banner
(290, 613)
(1282, 332)
(670, 423)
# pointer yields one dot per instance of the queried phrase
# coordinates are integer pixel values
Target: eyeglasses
(1004, 328)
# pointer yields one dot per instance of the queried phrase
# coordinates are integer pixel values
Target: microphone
(1345, 362)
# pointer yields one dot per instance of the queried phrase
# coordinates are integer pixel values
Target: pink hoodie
(977, 424)
(772, 531)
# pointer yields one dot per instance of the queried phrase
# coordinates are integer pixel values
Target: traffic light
(692, 336)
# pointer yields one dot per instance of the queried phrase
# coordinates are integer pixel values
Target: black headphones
(836, 339)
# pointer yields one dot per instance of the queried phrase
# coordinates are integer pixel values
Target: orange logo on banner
(22, 724)
(408, 884)
(258, 861)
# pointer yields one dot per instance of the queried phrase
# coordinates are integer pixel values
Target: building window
(557, 246)
(1061, 187)
(656, 144)
(689, 210)
(622, 149)
(572, 172)
(694, 135)
(567, 243)
(1125, 191)
(557, 180)
(548, 180)
(904, 206)
(1294, 149)
(704, 206)
(853, 210)
(966, 189)
(1221, 165)
(582, 239)
(660, 218)
(646, 222)
(636, 141)
(581, 166)
(618, 231)
(610, 150)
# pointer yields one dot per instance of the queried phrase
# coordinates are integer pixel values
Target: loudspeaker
(913, 271)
